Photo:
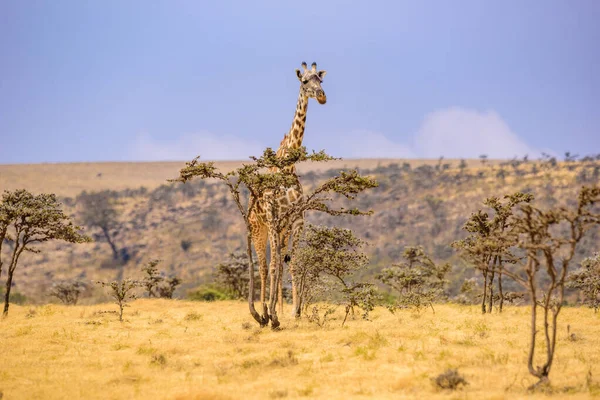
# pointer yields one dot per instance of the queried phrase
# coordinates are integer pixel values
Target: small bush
(155, 283)
(185, 245)
(208, 294)
(121, 292)
(320, 315)
(158, 359)
(193, 316)
(288, 360)
(68, 291)
(450, 379)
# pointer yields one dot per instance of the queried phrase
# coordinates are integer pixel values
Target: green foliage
(152, 277)
(587, 280)
(418, 281)
(15, 297)
(325, 263)
(156, 284)
(488, 247)
(209, 293)
(122, 292)
(467, 293)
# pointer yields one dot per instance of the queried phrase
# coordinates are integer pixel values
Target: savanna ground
(188, 350)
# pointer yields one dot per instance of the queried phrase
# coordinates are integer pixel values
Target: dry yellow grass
(186, 350)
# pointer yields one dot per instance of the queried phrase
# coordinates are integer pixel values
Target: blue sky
(168, 80)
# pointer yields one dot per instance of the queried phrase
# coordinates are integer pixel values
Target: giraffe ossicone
(310, 87)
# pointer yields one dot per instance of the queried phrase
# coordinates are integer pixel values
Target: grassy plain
(188, 350)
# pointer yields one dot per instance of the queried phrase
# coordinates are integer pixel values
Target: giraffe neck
(293, 139)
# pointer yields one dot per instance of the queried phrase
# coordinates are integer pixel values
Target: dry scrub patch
(185, 350)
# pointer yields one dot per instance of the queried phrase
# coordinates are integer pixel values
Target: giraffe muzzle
(321, 98)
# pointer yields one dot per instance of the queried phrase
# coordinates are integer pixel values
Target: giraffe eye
(305, 82)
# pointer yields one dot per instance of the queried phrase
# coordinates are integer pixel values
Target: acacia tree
(418, 281)
(27, 219)
(122, 292)
(257, 179)
(488, 248)
(97, 210)
(68, 291)
(587, 280)
(548, 240)
(326, 262)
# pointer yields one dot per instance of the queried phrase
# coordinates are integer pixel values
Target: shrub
(155, 283)
(208, 293)
(121, 292)
(450, 379)
(587, 280)
(418, 281)
(68, 291)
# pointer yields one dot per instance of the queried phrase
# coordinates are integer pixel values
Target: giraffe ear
(322, 74)
(299, 74)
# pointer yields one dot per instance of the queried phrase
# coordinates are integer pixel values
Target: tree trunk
(491, 293)
(485, 284)
(7, 293)
(500, 292)
(532, 292)
(11, 270)
(110, 242)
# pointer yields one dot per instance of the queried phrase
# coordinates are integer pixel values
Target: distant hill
(192, 227)
(70, 179)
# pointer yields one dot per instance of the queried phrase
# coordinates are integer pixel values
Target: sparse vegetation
(487, 247)
(327, 261)
(532, 242)
(417, 282)
(122, 292)
(68, 291)
(450, 379)
(537, 241)
(587, 280)
(156, 284)
(208, 352)
(233, 275)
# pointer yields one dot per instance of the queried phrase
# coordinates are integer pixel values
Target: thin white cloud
(205, 144)
(362, 144)
(457, 132)
(452, 133)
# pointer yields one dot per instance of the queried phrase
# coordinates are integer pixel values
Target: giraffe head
(310, 80)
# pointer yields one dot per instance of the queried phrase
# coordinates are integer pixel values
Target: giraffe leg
(274, 269)
(297, 228)
(284, 246)
(259, 238)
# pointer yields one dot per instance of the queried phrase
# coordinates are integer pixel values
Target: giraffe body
(260, 217)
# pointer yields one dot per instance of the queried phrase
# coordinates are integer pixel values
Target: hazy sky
(168, 80)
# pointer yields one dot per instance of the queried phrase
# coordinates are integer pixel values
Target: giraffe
(310, 86)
